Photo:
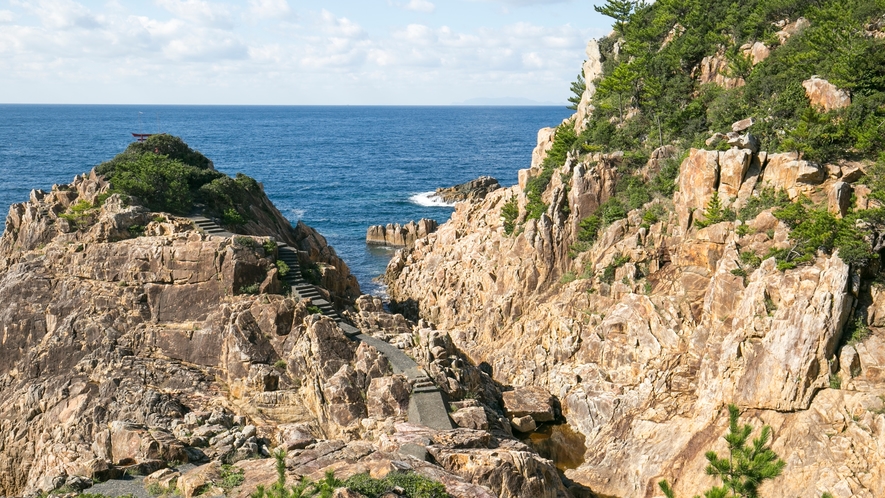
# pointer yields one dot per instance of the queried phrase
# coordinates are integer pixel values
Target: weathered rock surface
(592, 69)
(650, 357)
(125, 350)
(825, 95)
(471, 191)
(398, 235)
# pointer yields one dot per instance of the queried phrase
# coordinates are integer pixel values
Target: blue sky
(339, 52)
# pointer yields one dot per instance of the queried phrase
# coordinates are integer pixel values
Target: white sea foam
(430, 199)
(298, 213)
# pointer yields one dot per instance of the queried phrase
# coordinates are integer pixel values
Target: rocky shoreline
(135, 341)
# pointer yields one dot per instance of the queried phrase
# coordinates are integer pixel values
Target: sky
(292, 52)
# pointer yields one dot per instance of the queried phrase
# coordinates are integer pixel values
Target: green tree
(715, 213)
(619, 10)
(621, 83)
(747, 465)
(577, 88)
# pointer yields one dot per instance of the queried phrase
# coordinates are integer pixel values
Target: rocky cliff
(133, 342)
(646, 309)
(658, 332)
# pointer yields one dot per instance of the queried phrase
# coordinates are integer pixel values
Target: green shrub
(674, 108)
(250, 289)
(232, 217)
(280, 364)
(766, 198)
(812, 230)
(563, 141)
(314, 310)
(167, 175)
(664, 183)
(311, 272)
(835, 381)
(161, 183)
(414, 485)
(80, 214)
(231, 477)
(857, 332)
(568, 277)
(283, 268)
(509, 213)
(608, 274)
(245, 241)
(305, 487)
(270, 246)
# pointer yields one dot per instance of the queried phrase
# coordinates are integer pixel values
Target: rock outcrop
(650, 355)
(470, 191)
(398, 235)
(132, 341)
(592, 70)
(824, 95)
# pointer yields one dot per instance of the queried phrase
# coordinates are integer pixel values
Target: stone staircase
(426, 404)
(307, 292)
(209, 227)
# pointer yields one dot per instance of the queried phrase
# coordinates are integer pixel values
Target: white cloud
(415, 5)
(269, 9)
(339, 26)
(199, 12)
(210, 48)
(60, 14)
(523, 3)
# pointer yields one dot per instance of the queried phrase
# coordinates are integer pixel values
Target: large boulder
(698, 179)
(534, 401)
(825, 95)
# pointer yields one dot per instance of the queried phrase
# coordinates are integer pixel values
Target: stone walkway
(426, 404)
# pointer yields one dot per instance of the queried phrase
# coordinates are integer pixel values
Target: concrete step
(348, 329)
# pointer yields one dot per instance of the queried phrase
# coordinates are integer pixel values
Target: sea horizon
(340, 169)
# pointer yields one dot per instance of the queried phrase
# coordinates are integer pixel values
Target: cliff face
(132, 341)
(643, 359)
(119, 315)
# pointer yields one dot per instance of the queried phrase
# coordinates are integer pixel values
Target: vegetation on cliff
(651, 92)
(651, 62)
(167, 175)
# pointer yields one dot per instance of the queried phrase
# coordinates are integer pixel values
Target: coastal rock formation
(471, 191)
(649, 355)
(133, 342)
(592, 70)
(398, 235)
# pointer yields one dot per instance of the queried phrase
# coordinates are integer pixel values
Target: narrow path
(426, 404)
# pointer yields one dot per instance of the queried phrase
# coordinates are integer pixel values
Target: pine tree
(715, 213)
(577, 88)
(746, 467)
(619, 10)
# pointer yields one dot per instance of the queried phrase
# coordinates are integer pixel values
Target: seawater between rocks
(339, 169)
(559, 443)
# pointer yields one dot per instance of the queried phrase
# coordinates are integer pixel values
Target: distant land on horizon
(504, 101)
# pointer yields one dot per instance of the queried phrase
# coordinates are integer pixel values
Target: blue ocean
(338, 169)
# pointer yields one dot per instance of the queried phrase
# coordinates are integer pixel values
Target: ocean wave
(430, 199)
(299, 213)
